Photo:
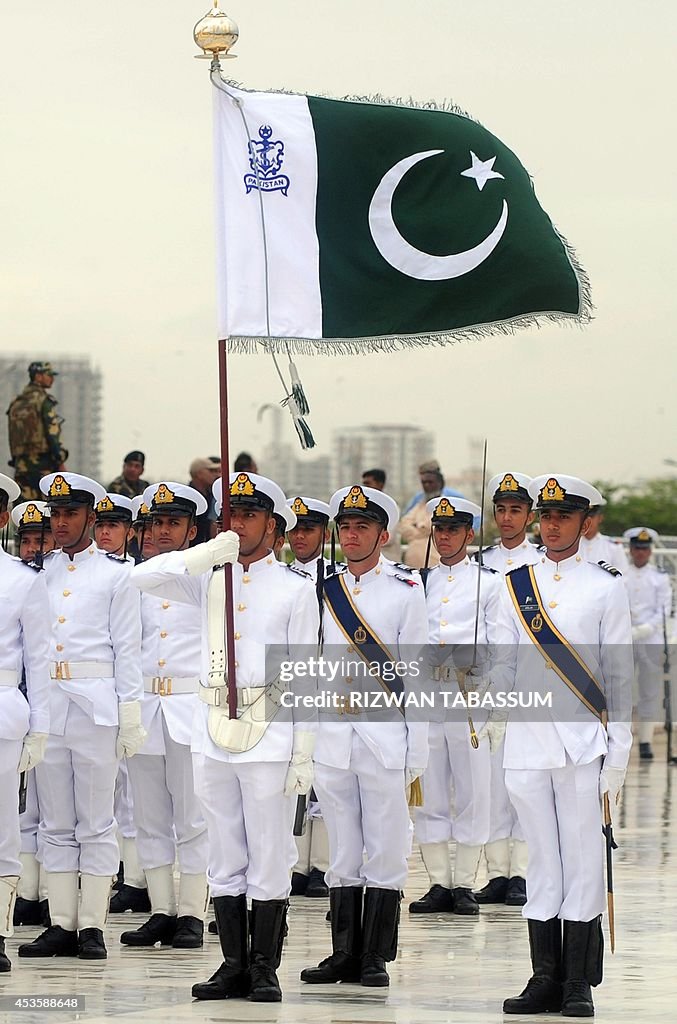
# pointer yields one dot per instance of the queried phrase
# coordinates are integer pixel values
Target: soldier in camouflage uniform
(35, 432)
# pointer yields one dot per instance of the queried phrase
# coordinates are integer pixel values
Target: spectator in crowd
(415, 523)
(130, 482)
(244, 463)
(203, 472)
(376, 478)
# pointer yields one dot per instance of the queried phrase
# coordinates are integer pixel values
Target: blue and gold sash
(556, 649)
(359, 633)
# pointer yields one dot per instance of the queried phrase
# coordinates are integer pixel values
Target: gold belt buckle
(162, 685)
(63, 670)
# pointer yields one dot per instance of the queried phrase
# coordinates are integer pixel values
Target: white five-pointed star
(481, 170)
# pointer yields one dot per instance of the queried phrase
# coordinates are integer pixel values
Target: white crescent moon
(397, 251)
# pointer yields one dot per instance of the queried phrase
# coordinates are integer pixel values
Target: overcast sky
(107, 233)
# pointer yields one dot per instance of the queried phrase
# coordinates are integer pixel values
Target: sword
(611, 845)
(667, 693)
(23, 787)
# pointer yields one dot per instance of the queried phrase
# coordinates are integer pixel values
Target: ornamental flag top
(344, 225)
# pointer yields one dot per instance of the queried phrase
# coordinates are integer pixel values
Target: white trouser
(123, 805)
(30, 818)
(312, 847)
(503, 821)
(249, 822)
(10, 837)
(76, 784)
(365, 809)
(561, 816)
(168, 817)
(454, 764)
(648, 682)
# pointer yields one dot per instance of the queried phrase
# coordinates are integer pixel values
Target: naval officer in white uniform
(650, 596)
(506, 851)
(364, 764)
(95, 719)
(571, 637)
(167, 815)
(248, 769)
(24, 721)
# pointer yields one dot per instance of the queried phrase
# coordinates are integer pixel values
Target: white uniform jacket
(589, 607)
(451, 601)
(171, 648)
(273, 606)
(650, 597)
(392, 603)
(24, 643)
(504, 559)
(96, 627)
(604, 549)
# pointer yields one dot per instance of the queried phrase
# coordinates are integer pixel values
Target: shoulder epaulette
(610, 568)
(487, 568)
(115, 558)
(476, 555)
(404, 568)
(338, 567)
(36, 566)
(405, 579)
(299, 572)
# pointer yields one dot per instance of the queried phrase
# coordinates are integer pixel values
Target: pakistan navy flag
(348, 223)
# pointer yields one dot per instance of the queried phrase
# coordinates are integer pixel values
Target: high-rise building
(77, 389)
(396, 448)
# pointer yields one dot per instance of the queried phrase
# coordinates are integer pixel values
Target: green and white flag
(347, 225)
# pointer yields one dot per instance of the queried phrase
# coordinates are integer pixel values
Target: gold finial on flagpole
(215, 34)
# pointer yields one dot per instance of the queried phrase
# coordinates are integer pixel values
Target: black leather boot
(437, 900)
(189, 934)
(45, 919)
(56, 941)
(543, 992)
(516, 895)
(582, 957)
(128, 897)
(27, 912)
(494, 891)
(316, 887)
(645, 752)
(120, 877)
(346, 939)
(5, 964)
(465, 902)
(379, 935)
(158, 928)
(267, 935)
(299, 884)
(91, 945)
(231, 980)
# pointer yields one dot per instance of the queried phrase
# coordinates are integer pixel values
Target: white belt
(81, 670)
(8, 677)
(165, 686)
(217, 696)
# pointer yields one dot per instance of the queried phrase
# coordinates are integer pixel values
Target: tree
(652, 503)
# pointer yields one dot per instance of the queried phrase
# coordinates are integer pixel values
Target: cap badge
(355, 498)
(143, 509)
(59, 487)
(163, 495)
(508, 483)
(32, 514)
(644, 535)
(299, 507)
(445, 509)
(552, 491)
(242, 485)
(105, 505)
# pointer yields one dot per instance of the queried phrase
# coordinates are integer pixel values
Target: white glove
(494, 730)
(300, 772)
(411, 774)
(33, 751)
(223, 548)
(611, 781)
(642, 632)
(131, 735)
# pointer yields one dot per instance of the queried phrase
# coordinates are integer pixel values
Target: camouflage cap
(42, 367)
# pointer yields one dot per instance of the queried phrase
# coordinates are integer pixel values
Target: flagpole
(215, 33)
(225, 525)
